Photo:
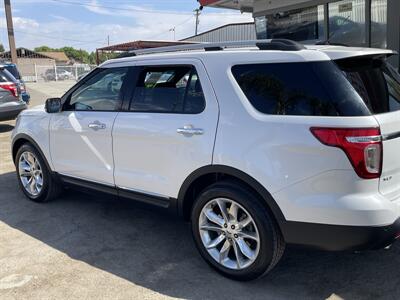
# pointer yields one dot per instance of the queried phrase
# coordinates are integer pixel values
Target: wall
(232, 32)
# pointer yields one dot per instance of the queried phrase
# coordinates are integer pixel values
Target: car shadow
(156, 251)
(5, 128)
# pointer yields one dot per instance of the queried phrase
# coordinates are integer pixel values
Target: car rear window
(14, 71)
(376, 81)
(302, 89)
(6, 76)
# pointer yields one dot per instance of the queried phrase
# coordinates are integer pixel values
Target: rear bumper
(341, 238)
(11, 110)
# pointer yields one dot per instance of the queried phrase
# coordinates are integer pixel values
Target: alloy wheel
(30, 173)
(229, 233)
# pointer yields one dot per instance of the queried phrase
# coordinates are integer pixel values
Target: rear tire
(227, 243)
(37, 182)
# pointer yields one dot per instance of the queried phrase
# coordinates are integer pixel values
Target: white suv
(258, 144)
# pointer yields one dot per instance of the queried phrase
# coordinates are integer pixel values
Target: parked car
(257, 148)
(13, 69)
(50, 75)
(83, 75)
(11, 103)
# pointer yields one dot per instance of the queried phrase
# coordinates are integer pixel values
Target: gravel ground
(85, 247)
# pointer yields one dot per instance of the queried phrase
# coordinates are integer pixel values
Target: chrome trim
(364, 139)
(391, 136)
(97, 125)
(190, 130)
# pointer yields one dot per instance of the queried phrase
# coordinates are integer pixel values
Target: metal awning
(259, 7)
(243, 5)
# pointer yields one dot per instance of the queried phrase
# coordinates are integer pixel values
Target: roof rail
(272, 44)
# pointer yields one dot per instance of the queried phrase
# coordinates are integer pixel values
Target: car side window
(169, 89)
(102, 92)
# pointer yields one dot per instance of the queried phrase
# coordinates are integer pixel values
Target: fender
(259, 188)
(23, 136)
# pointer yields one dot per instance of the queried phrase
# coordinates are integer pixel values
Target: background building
(366, 23)
(229, 32)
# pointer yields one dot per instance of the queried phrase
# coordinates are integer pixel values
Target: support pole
(197, 12)
(10, 29)
(36, 74)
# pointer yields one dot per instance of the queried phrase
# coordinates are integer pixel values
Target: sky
(86, 24)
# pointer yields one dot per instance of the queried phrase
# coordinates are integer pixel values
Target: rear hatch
(379, 85)
(10, 90)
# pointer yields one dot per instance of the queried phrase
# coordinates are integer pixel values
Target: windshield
(376, 81)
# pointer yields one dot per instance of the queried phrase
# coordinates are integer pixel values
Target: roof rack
(272, 44)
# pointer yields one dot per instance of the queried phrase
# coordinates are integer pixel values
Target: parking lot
(82, 247)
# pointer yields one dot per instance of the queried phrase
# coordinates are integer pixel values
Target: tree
(1, 48)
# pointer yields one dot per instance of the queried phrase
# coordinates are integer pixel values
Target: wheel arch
(23, 138)
(204, 176)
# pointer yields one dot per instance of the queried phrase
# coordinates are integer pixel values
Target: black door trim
(85, 185)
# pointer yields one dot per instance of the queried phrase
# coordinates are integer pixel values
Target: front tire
(34, 177)
(235, 233)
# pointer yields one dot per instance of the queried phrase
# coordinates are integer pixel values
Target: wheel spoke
(239, 262)
(214, 243)
(233, 211)
(24, 172)
(211, 227)
(31, 159)
(245, 222)
(222, 208)
(223, 254)
(32, 185)
(213, 217)
(248, 235)
(245, 249)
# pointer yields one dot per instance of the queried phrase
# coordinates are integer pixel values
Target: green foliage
(77, 55)
(1, 48)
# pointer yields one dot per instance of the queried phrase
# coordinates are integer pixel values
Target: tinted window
(6, 76)
(102, 92)
(168, 90)
(308, 89)
(14, 71)
(376, 81)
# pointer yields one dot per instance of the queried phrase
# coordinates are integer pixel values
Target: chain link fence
(49, 73)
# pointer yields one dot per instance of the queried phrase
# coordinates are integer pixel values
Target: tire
(50, 188)
(265, 253)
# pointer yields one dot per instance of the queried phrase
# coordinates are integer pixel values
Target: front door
(169, 130)
(81, 135)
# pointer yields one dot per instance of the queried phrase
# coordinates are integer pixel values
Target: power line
(149, 11)
(120, 8)
(177, 25)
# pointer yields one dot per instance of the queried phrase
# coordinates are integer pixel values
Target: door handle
(190, 130)
(96, 125)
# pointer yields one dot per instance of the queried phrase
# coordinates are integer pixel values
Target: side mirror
(53, 105)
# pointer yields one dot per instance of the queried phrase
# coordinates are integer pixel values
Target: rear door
(169, 129)
(379, 85)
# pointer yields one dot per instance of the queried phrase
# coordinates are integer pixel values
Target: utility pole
(173, 30)
(197, 12)
(10, 29)
(108, 40)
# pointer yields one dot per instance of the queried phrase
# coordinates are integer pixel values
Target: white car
(259, 144)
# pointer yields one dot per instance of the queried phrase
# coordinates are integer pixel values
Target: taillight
(363, 147)
(11, 87)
